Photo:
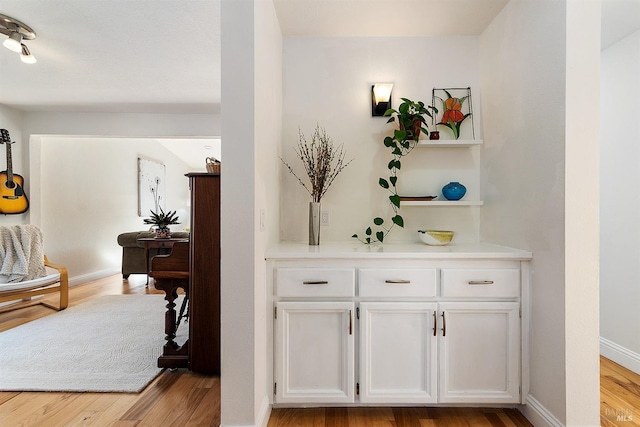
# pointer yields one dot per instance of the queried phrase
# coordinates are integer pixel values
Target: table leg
(173, 355)
(146, 262)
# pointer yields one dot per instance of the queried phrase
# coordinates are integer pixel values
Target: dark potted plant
(410, 117)
(162, 221)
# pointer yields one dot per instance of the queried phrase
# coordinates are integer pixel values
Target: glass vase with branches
(322, 161)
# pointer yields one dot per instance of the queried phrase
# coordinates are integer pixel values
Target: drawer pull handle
(350, 323)
(480, 282)
(398, 282)
(435, 323)
(315, 282)
(444, 325)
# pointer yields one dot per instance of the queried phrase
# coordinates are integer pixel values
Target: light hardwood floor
(619, 395)
(182, 398)
(179, 398)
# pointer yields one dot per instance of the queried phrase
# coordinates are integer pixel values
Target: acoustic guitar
(13, 200)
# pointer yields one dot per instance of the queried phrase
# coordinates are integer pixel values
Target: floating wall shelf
(449, 143)
(443, 203)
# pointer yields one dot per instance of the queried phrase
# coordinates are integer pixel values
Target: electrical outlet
(261, 219)
(324, 218)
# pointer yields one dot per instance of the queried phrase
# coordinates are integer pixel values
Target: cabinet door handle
(397, 282)
(435, 323)
(480, 282)
(315, 282)
(350, 323)
(444, 325)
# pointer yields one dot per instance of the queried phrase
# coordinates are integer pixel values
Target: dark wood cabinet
(204, 273)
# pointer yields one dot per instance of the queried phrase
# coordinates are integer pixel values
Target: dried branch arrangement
(322, 161)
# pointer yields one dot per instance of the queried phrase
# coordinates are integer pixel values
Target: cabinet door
(397, 352)
(314, 357)
(479, 352)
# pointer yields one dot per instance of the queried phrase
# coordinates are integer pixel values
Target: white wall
(237, 214)
(328, 81)
(268, 119)
(582, 220)
(122, 124)
(88, 190)
(620, 202)
(523, 81)
(251, 94)
(37, 126)
(541, 191)
(11, 120)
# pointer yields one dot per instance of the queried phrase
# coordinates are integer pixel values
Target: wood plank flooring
(182, 398)
(619, 395)
(398, 417)
(179, 398)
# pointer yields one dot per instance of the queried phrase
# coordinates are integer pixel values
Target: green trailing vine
(410, 117)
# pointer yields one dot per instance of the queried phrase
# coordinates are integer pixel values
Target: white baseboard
(96, 275)
(538, 415)
(621, 355)
(264, 413)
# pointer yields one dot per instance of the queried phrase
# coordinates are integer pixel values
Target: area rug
(110, 344)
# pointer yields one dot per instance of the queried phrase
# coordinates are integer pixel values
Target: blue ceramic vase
(454, 191)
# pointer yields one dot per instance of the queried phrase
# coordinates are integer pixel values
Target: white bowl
(436, 237)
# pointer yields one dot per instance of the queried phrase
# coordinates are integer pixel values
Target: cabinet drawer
(400, 282)
(503, 283)
(315, 282)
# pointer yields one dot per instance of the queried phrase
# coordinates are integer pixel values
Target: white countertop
(290, 250)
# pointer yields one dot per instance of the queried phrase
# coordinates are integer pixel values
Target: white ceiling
(164, 55)
(194, 151)
(386, 18)
(115, 56)
(620, 18)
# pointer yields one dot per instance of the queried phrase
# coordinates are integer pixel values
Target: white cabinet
(472, 347)
(397, 282)
(315, 282)
(479, 352)
(314, 352)
(398, 328)
(398, 352)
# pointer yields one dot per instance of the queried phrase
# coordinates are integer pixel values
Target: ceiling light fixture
(14, 42)
(17, 32)
(26, 56)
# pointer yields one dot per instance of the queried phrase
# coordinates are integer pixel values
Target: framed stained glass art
(455, 116)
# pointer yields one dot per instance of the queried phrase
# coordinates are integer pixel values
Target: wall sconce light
(17, 32)
(380, 98)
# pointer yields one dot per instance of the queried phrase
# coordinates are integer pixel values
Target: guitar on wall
(13, 200)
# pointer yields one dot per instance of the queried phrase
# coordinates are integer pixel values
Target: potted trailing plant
(411, 120)
(162, 220)
(322, 161)
(410, 117)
